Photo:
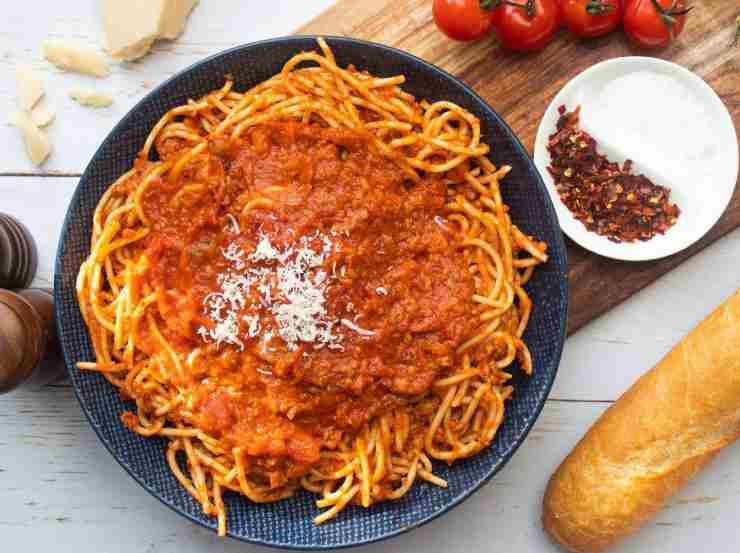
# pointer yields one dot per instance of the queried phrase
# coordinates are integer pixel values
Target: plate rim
(558, 245)
(574, 228)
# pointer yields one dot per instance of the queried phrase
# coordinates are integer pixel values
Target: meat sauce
(401, 276)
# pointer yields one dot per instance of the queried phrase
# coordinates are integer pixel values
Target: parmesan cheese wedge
(91, 98)
(42, 115)
(70, 56)
(131, 27)
(174, 15)
(30, 89)
(38, 147)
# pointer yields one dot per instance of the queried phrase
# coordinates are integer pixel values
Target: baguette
(654, 439)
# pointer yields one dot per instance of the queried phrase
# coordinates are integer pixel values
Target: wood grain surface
(520, 87)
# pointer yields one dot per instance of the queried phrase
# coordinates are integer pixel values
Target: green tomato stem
(528, 6)
(669, 15)
(598, 7)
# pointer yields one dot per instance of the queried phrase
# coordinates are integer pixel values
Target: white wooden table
(61, 491)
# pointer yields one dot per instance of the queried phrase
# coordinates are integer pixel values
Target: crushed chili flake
(608, 199)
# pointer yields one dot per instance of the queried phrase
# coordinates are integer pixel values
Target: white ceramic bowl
(702, 189)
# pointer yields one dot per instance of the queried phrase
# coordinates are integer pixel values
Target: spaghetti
(315, 283)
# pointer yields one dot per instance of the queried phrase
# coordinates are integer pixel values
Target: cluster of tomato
(531, 24)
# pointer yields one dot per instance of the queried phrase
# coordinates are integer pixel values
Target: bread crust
(652, 440)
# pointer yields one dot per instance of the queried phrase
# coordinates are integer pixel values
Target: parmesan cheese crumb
(30, 89)
(42, 116)
(234, 254)
(254, 325)
(352, 326)
(91, 98)
(38, 147)
(225, 331)
(264, 250)
(70, 56)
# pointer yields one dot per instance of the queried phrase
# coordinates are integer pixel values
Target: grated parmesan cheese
(254, 325)
(234, 254)
(288, 282)
(264, 250)
(302, 317)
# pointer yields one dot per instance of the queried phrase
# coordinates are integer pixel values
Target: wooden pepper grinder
(29, 352)
(18, 256)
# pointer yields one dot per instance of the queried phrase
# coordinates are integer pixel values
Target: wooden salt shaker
(29, 351)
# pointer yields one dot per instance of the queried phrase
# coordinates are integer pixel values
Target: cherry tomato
(463, 20)
(654, 23)
(526, 24)
(591, 18)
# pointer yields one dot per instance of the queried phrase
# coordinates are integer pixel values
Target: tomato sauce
(395, 270)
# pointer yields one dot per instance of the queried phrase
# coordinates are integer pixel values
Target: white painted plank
(40, 203)
(214, 25)
(601, 360)
(60, 487)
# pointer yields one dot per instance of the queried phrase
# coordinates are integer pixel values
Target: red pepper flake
(608, 199)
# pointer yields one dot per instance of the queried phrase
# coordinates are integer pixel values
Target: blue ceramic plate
(288, 523)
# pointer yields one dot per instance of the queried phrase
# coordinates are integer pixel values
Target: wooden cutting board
(520, 87)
